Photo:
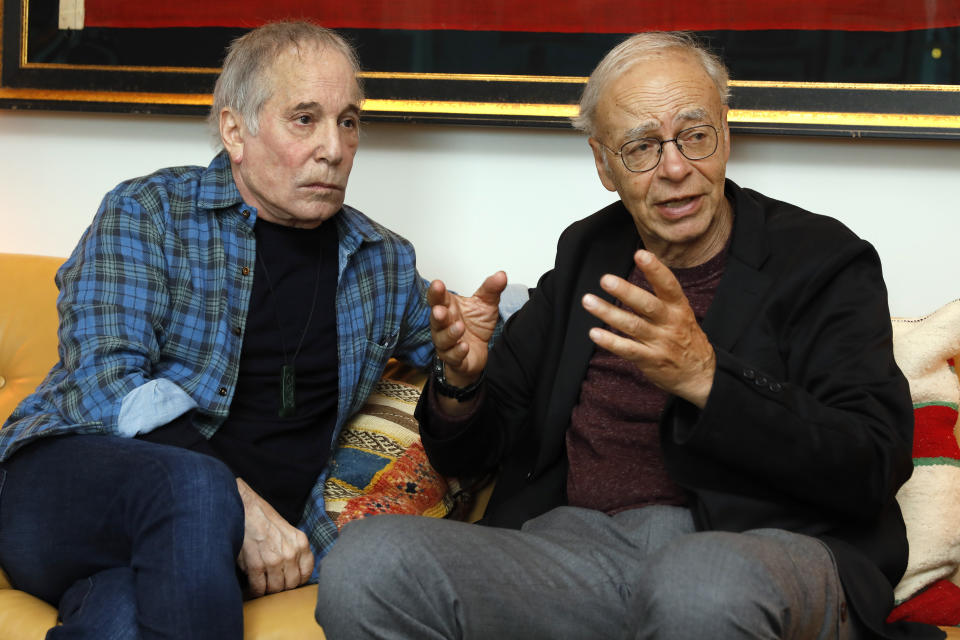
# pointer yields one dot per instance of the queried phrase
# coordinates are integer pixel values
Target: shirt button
(3, 382)
(245, 213)
(237, 331)
(222, 391)
(749, 374)
(245, 271)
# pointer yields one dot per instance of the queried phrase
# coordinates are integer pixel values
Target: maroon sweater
(613, 443)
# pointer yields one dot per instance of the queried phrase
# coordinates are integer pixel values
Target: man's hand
(275, 555)
(461, 327)
(663, 337)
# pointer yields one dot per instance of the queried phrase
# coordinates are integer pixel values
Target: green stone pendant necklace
(288, 373)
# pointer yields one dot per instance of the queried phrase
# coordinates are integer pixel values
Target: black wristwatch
(446, 389)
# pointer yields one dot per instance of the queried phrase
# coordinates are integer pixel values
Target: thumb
(489, 292)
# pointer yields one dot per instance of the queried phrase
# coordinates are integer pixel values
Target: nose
(673, 164)
(328, 145)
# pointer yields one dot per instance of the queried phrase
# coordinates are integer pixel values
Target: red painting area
(562, 16)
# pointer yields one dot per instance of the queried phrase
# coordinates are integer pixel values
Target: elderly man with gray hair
(218, 326)
(696, 423)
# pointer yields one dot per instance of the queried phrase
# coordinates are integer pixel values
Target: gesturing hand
(663, 337)
(461, 327)
(275, 555)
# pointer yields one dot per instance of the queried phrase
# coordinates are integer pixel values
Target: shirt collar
(217, 188)
(356, 226)
(219, 191)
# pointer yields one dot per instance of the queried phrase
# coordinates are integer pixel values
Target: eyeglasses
(643, 154)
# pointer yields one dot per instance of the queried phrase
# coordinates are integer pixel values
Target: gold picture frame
(815, 107)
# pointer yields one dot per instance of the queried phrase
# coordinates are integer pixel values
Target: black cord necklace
(288, 374)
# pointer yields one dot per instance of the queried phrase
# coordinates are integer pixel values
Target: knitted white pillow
(930, 500)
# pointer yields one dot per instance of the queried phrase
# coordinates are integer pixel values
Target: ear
(232, 133)
(725, 132)
(603, 166)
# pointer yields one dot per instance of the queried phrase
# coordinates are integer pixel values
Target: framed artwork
(822, 67)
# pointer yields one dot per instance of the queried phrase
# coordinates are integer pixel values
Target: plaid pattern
(158, 288)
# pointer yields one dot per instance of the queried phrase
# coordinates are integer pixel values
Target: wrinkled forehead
(297, 66)
(661, 92)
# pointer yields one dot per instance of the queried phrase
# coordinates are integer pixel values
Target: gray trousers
(579, 574)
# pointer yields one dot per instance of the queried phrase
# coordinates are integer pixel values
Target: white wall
(473, 200)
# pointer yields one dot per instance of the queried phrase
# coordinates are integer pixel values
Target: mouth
(322, 186)
(678, 207)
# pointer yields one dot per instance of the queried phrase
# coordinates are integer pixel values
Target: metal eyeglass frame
(716, 145)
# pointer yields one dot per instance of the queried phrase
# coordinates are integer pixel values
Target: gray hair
(243, 84)
(633, 50)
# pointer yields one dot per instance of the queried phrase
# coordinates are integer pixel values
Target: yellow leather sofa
(28, 348)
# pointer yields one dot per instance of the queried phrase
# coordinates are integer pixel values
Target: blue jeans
(129, 539)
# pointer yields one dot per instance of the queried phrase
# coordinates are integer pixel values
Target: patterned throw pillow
(927, 351)
(380, 465)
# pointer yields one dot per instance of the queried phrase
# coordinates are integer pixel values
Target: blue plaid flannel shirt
(153, 303)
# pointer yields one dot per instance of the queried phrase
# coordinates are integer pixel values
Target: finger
(275, 571)
(455, 355)
(305, 560)
(633, 297)
(251, 564)
(491, 288)
(665, 285)
(256, 585)
(626, 321)
(294, 545)
(618, 345)
(442, 317)
(436, 293)
(291, 573)
(447, 337)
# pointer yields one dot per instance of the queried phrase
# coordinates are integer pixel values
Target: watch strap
(444, 388)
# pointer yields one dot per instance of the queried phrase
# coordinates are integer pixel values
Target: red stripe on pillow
(937, 604)
(933, 432)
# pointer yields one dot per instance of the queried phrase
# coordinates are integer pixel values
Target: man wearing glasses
(696, 421)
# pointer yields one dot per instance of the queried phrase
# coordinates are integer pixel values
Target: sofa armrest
(24, 617)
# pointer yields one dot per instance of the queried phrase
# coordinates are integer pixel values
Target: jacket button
(760, 381)
(776, 387)
(529, 476)
(749, 374)
(222, 391)
(3, 382)
(843, 612)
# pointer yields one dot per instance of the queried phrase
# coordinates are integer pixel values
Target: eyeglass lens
(694, 143)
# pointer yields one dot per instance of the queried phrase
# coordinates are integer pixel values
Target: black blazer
(809, 423)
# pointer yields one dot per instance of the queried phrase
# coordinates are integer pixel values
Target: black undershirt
(281, 458)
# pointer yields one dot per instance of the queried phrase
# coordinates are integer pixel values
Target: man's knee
(366, 552)
(197, 491)
(703, 582)
(102, 606)
(370, 563)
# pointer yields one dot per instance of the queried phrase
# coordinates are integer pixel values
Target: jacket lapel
(609, 249)
(743, 285)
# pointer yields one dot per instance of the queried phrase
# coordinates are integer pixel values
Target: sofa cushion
(380, 465)
(28, 325)
(927, 351)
